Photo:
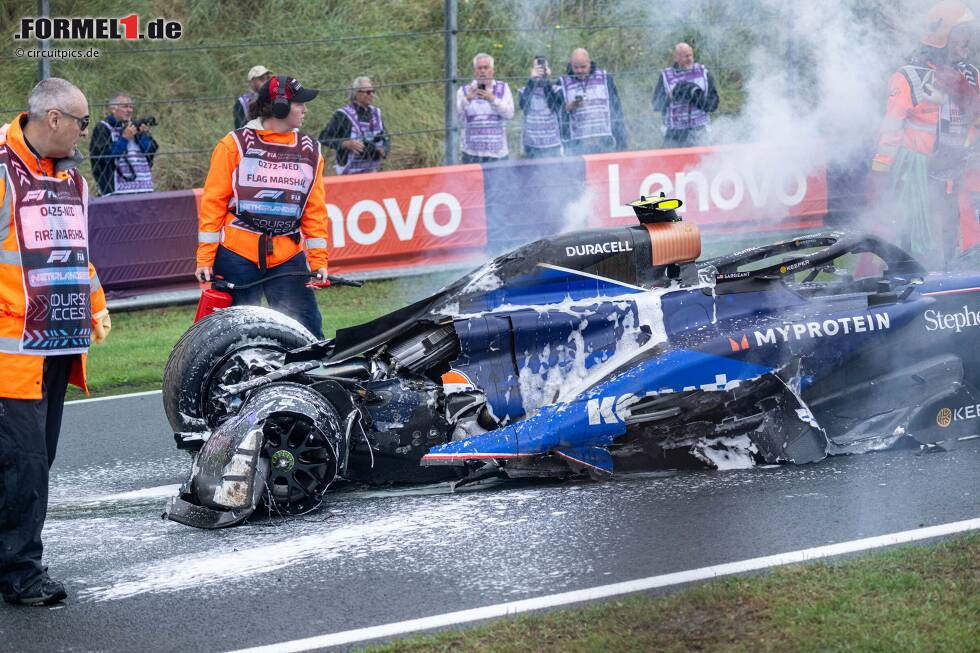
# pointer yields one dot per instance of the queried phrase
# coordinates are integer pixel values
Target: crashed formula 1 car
(591, 352)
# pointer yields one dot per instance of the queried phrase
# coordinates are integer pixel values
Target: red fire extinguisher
(213, 298)
(219, 296)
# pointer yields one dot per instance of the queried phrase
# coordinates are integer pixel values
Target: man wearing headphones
(264, 202)
(356, 132)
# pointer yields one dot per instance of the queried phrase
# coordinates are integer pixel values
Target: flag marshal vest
(484, 133)
(272, 183)
(132, 169)
(541, 128)
(245, 99)
(363, 131)
(683, 115)
(594, 118)
(52, 242)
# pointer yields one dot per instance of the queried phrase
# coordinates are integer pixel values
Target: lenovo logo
(367, 221)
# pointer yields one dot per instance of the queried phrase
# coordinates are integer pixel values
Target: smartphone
(540, 61)
(481, 86)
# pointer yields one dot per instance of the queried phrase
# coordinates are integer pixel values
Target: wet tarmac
(372, 556)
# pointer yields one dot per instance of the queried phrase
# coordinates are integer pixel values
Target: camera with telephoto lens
(371, 146)
(149, 121)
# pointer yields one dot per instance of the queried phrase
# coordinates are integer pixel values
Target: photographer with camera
(356, 133)
(484, 106)
(122, 150)
(592, 114)
(685, 97)
(541, 102)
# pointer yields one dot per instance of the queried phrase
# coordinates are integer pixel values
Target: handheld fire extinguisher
(218, 295)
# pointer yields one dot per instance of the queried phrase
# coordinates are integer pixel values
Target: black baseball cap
(297, 92)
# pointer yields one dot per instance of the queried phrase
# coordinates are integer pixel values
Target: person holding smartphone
(592, 115)
(484, 105)
(541, 103)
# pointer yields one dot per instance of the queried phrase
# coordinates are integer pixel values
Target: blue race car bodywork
(596, 352)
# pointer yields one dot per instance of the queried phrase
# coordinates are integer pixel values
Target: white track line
(126, 396)
(604, 591)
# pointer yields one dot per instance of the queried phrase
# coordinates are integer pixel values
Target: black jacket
(339, 130)
(104, 153)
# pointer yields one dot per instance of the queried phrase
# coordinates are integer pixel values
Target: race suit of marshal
(541, 127)
(362, 131)
(52, 241)
(484, 133)
(594, 118)
(272, 185)
(684, 115)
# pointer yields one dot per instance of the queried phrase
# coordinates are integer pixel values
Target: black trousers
(289, 295)
(28, 441)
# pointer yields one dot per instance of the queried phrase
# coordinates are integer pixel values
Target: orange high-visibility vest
(21, 374)
(912, 115)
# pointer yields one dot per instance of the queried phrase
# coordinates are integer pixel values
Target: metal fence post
(452, 15)
(43, 64)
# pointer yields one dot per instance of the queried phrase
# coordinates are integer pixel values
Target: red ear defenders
(281, 95)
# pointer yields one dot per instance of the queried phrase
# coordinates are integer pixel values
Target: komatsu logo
(598, 248)
(810, 330)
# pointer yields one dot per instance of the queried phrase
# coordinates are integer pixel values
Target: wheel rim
(239, 365)
(302, 463)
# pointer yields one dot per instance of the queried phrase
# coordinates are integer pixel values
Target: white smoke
(814, 76)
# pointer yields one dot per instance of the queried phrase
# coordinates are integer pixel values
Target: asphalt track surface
(371, 557)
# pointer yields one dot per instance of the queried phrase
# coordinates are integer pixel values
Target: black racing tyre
(228, 346)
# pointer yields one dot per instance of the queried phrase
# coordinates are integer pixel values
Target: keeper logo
(86, 28)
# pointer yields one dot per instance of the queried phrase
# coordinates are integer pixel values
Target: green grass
(133, 357)
(188, 130)
(912, 598)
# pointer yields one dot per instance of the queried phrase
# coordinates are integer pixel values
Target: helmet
(942, 18)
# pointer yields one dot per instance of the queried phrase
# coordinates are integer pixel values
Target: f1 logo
(32, 195)
(59, 256)
(269, 194)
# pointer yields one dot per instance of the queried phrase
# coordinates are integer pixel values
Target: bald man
(685, 97)
(592, 114)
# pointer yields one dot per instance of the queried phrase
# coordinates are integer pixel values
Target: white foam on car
(616, 589)
(569, 376)
(726, 453)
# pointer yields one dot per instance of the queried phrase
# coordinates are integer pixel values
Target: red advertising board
(723, 187)
(407, 217)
